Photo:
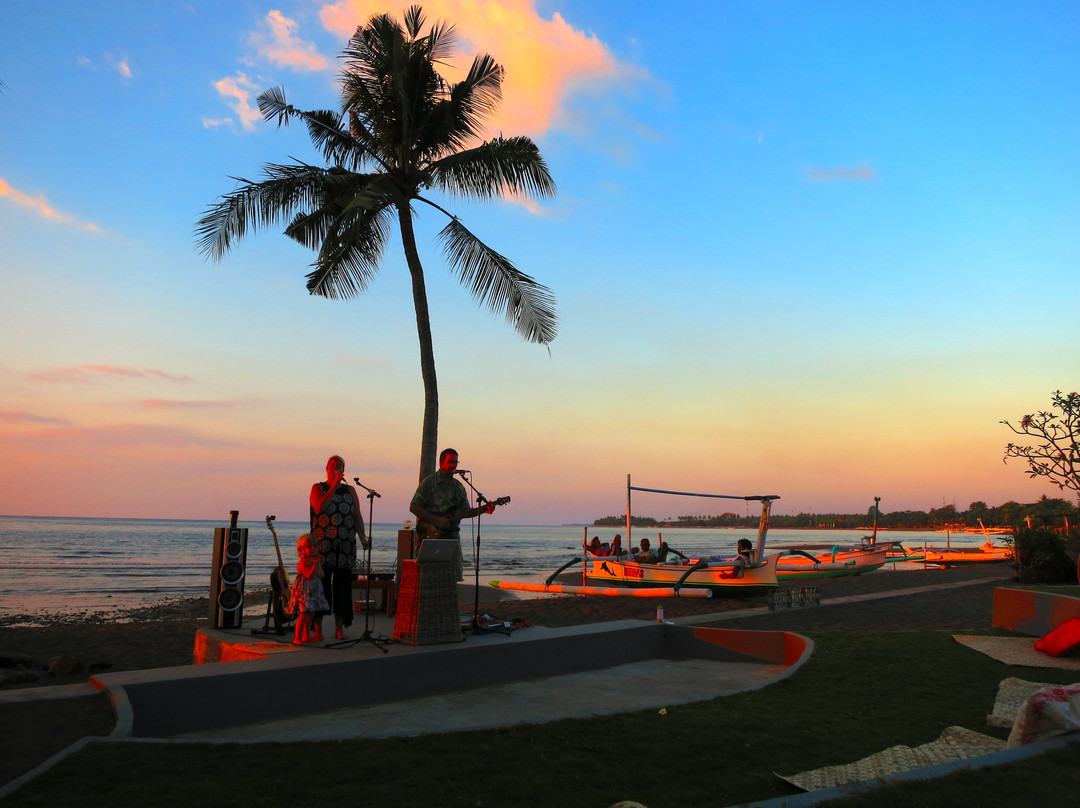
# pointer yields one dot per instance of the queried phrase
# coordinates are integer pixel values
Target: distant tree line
(1047, 512)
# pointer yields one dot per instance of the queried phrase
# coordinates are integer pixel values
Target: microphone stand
(475, 627)
(366, 636)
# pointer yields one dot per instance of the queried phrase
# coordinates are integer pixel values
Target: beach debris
(19, 676)
(14, 659)
(64, 665)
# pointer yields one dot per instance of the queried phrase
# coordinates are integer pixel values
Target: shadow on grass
(860, 692)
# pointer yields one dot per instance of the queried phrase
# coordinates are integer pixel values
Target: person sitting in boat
(616, 546)
(745, 558)
(647, 555)
(595, 546)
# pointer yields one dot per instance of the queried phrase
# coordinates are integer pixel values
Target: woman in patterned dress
(336, 522)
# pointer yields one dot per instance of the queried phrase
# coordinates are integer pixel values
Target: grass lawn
(859, 693)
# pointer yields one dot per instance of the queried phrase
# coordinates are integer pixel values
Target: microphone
(373, 493)
(462, 471)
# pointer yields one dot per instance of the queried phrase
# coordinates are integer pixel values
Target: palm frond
(459, 120)
(343, 194)
(325, 128)
(500, 166)
(495, 283)
(350, 252)
(286, 189)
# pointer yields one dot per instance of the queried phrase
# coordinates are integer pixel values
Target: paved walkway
(638, 686)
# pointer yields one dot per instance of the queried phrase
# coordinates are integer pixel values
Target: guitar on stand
(278, 605)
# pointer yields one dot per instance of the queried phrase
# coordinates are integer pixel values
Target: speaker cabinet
(227, 575)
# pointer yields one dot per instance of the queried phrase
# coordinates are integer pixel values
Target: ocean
(88, 566)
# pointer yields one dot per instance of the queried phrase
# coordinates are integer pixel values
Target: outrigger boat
(622, 576)
(986, 553)
(837, 561)
(801, 562)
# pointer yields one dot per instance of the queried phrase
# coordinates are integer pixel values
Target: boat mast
(873, 539)
(763, 526)
(629, 538)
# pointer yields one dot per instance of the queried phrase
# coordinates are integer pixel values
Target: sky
(815, 249)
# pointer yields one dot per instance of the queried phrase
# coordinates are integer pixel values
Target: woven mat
(1017, 651)
(955, 743)
(1011, 696)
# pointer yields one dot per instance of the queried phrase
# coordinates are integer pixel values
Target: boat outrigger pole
(763, 526)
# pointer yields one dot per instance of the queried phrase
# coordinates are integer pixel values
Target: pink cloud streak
(41, 206)
(276, 41)
(91, 373)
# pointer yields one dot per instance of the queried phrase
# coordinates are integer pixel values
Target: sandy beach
(163, 635)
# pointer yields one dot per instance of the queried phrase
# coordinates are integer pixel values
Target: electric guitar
(279, 579)
(426, 530)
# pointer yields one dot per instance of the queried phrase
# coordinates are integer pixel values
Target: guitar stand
(367, 636)
(280, 620)
(273, 604)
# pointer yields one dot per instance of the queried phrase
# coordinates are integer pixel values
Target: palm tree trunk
(429, 439)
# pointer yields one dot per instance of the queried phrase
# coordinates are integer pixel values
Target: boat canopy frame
(763, 525)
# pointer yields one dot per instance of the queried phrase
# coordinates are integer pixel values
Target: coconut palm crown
(402, 130)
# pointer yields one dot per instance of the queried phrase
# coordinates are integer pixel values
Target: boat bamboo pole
(607, 591)
(585, 557)
(629, 538)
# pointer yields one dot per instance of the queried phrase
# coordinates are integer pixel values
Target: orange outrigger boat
(808, 562)
(684, 577)
(986, 553)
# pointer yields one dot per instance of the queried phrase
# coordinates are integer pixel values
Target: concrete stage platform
(270, 690)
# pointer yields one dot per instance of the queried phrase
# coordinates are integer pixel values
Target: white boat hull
(725, 580)
(850, 561)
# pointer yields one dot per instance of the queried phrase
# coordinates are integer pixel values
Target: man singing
(440, 503)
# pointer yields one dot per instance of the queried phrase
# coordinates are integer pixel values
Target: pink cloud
(177, 404)
(92, 373)
(239, 92)
(108, 439)
(41, 206)
(276, 41)
(19, 417)
(546, 60)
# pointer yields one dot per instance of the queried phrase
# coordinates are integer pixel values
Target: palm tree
(401, 131)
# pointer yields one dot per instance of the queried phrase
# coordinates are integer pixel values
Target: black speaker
(227, 575)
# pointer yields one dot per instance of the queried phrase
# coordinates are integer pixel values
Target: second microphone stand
(367, 635)
(475, 627)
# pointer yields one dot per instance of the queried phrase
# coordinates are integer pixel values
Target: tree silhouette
(401, 131)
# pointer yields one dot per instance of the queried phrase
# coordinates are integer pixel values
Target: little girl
(307, 596)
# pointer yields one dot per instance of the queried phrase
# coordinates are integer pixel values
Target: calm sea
(54, 565)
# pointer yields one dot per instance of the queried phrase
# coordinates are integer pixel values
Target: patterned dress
(334, 530)
(307, 593)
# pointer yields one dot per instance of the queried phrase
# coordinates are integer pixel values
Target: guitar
(426, 530)
(279, 580)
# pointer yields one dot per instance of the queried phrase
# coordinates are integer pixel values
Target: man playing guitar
(440, 503)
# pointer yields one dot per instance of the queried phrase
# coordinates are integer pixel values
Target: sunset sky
(814, 249)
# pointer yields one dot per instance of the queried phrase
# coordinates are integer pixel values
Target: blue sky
(815, 248)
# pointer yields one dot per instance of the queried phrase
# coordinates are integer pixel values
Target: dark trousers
(337, 583)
